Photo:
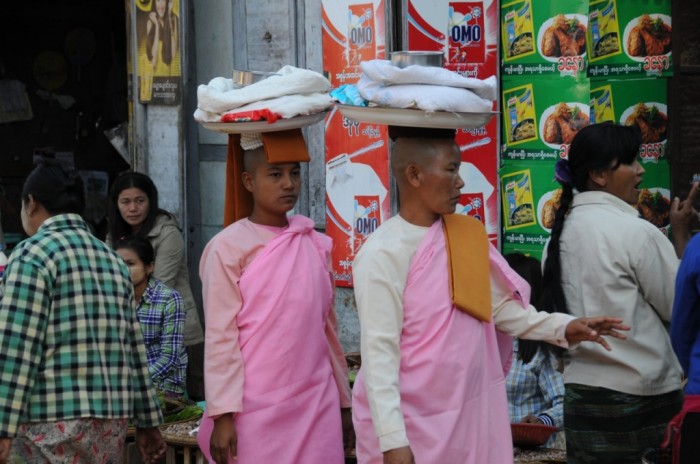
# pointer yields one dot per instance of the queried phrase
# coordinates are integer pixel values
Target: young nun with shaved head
(432, 294)
(275, 374)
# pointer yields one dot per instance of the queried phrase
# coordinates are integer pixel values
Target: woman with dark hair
(535, 388)
(602, 258)
(74, 361)
(162, 36)
(161, 315)
(133, 210)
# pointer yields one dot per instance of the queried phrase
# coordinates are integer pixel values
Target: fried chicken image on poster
(650, 37)
(565, 37)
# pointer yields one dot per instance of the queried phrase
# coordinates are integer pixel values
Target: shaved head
(427, 175)
(416, 151)
(253, 159)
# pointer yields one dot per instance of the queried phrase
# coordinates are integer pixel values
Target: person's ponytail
(553, 299)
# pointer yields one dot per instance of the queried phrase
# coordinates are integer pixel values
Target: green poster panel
(629, 38)
(541, 116)
(640, 102)
(543, 38)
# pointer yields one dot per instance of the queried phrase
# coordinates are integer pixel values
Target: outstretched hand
(593, 329)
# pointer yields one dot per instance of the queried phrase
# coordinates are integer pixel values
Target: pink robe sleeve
(338, 362)
(220, 271)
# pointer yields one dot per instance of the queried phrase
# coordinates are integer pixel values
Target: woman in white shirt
(603, 258)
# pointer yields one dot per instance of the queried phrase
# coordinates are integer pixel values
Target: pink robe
(290, 400)
(451, 377)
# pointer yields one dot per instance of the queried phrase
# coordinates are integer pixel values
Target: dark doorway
(70, 58)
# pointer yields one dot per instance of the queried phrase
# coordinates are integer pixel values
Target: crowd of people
(457, 341)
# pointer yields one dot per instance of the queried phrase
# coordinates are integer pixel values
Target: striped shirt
(535, 388)
(70, 342)
(162, 318)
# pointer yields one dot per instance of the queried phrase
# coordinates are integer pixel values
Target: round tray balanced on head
(415, 118)
(264, 126)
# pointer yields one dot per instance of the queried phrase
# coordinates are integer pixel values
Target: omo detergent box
(543, 38)
(629, 38)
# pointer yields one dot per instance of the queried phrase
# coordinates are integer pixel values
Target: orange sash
(468, 265)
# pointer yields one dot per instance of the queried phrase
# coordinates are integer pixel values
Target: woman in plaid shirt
(73, 358)
(161, 315)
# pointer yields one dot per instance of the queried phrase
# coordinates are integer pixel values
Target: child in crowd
(275, 373)
(535, 387)
(161, 316)
(133, 210)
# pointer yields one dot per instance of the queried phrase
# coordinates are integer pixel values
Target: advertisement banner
(541, 117)
(158, 48)
(629, 38)
(543, 38)
(467, 34)
(640, 102)
(357, 154)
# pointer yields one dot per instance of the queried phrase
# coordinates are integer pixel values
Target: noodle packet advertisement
(542, 116)
(640, 102)
(528, 194)
(629, 38)
(543, 38)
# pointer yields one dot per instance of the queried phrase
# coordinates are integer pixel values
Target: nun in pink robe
(451, 403)
(272, 356)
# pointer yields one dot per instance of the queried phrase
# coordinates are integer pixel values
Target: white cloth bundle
(294, 92)
(426, 88)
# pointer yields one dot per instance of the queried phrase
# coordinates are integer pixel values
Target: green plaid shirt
(70, 343)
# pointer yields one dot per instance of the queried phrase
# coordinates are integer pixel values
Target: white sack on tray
(220, 96)
(384, 73)
(287, 106)
(424, 97)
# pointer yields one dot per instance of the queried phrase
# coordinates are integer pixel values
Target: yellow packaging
(520, 118)
(604, 39)
(145, 79)
(518, 30)
(518, 203)
(602, 104)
